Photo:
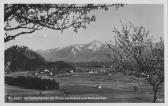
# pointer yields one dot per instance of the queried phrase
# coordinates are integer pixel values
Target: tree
(22, 19)
(139, 56)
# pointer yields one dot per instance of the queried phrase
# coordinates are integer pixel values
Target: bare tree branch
(22, 17)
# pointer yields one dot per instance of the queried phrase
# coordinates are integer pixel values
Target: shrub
(32, 82)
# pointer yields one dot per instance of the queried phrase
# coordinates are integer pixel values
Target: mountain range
(93, 51)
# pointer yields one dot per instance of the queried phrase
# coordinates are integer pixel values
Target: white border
(1, 55)
(81, 2)
(88, 1)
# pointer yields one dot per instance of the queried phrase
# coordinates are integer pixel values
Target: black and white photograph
(107, 52)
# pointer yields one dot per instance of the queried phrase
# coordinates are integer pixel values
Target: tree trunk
(155, 88)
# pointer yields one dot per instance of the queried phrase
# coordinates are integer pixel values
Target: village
(90, 70)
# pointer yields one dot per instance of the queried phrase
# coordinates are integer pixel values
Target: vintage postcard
(84, 52)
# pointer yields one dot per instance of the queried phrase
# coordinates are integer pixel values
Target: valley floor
(82, 87)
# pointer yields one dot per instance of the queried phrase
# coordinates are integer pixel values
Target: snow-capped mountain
(93, 51)
(94, 45)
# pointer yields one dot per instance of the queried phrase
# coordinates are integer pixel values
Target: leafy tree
(138, 56)
(22, 19)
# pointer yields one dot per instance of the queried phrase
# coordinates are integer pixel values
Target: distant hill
(93, 51)
(22, 59)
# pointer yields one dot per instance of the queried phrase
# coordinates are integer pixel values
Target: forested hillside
(22, 58)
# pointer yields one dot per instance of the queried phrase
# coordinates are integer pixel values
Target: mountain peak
(94, 45)
(93, 51)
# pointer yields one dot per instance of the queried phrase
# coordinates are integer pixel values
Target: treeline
(59, 67)
(32, 82)
(93, 64)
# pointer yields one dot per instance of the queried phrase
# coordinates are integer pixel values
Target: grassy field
(82, 86)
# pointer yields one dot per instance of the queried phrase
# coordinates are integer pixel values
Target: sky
(151, 16)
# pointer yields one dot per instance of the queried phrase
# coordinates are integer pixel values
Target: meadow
(83, 86)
